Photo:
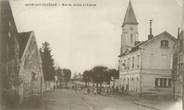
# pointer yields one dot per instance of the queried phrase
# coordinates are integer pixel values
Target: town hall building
(145, 66)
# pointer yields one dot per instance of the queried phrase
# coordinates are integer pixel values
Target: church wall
(128, 37)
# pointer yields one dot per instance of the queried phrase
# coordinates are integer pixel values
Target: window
(120, 67)
(128, 64)
(132, 62)
(163, 82)
(124, 65)
(131, 28)
(138, 60)
(164, 44)
(180, 66)
(33, 76)
(126, 37)
(131, 38)
(169, 82)
(156, 82)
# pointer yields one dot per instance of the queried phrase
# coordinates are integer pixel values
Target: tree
(59, 75)
(47, 62)
(114, 73)
(99, 73)
(67, 75)
(86, 77)
(107, 77)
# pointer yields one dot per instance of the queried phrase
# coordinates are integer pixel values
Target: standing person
(112, 89)
(75, 87)
(88, 90)
(117, 90)
(127, 88)
(122, 90)
(54, 87)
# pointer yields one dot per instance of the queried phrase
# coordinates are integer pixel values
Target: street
(67, 99)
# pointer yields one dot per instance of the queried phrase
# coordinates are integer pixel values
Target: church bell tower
(129, 34)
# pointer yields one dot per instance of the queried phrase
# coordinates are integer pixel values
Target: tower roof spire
(130, 15)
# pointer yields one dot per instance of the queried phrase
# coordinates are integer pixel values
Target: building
(145, 66)
(178, 62)
(30, 66)
(9, 53)
(21, 70)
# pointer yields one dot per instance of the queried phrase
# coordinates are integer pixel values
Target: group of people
(110, 90)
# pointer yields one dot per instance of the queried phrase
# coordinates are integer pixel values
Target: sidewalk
(154, 102)
(159, 104)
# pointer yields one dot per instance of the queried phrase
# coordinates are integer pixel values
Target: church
(145, 66)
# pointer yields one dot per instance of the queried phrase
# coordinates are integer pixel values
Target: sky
(82, 37)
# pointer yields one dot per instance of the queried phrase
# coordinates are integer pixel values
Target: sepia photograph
(91, 55)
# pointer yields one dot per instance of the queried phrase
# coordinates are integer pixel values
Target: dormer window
(164, 44)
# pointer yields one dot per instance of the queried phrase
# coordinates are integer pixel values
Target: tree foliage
(99, 75)
(63, 74)
(67, 74)
(59, 74)
(47, 62)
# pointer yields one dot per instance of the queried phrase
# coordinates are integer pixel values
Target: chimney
(150, 36)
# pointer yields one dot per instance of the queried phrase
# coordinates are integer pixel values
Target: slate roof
(130, 17)
(23, 40)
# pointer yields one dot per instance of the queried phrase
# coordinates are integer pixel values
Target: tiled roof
(130, 17)
(23, 40)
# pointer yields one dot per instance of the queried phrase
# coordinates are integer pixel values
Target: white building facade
(145, 66)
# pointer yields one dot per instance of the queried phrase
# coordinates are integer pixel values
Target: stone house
(30, 66)
(145, 66)
(21, 70)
